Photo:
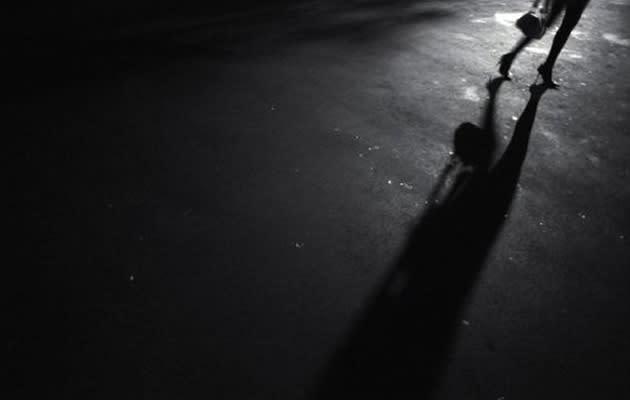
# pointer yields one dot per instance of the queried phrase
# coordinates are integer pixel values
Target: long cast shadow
(399, 345)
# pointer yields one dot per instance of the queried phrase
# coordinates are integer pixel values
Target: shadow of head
(473, 146)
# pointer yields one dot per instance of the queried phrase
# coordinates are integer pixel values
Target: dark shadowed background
(281, 200)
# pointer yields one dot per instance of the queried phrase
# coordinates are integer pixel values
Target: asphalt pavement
(211, 206)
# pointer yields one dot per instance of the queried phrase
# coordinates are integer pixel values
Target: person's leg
(571, 17)
(505, 63)
(556, 8)
(507, 59)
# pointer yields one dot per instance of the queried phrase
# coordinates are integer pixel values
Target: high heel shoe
(505, 63)
(545, 73)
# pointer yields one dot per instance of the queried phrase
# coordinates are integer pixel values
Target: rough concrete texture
(207, 205)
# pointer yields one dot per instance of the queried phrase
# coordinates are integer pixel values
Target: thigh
(556, 8)
(574, 11)
(576, 7)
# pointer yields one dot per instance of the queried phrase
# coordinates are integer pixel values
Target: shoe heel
(505, 62)
(545, 74)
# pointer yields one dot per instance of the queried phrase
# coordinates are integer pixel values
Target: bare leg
(520, 45)
(570, 20)
(508, 58)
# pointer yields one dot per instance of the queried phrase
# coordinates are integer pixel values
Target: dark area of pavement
(281, 201)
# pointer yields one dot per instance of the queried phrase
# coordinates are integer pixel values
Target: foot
(505, 63)
(545, 73)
